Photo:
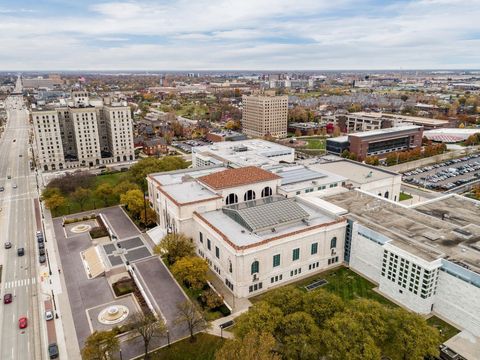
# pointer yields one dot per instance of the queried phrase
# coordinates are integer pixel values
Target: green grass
(71, 206)
(447, 331)
(344, 283)
(202, 349)
(404, 196)
(316, 144)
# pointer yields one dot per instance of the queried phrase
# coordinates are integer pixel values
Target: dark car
(42, 259)
(41, 251)
(20, 251)
(41, 245)
(53, 351)
(2, 188)
(7, 298)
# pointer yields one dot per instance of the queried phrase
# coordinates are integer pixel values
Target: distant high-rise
(265, 115)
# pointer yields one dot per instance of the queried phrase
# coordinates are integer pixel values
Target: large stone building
(81, 134)
(265, 115)
(258, 229)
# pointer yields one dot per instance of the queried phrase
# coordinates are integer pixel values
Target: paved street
(18, 226)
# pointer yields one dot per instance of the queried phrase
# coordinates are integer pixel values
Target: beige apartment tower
(265, 115)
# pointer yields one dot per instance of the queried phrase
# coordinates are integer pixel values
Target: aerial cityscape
(240, 180)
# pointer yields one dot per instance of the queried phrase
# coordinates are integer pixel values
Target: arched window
(232, 199)
(333, 242)
(255, 267)
(386, 194)
(249, 195)
(267, 191)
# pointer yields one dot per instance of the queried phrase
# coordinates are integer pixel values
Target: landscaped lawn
(447, 331)
(344, 283)
(315, 144)
(404, 196)
(202, 349)
(94, 202)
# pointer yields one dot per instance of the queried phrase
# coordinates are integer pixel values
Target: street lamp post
(48, 262)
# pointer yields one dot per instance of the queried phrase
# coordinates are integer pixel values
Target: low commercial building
(378, 142)
(304, 128)
(366, 121)
(225, 135)
(242, 153)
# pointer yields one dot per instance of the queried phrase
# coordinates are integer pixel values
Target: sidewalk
(215, 329)
(65, 329)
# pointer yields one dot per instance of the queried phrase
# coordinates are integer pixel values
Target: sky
(239, 35)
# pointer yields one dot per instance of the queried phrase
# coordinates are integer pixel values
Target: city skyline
(267, 35)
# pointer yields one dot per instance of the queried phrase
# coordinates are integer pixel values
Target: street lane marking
(20, 283)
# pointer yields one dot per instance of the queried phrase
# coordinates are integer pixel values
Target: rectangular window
(314, 248)
(276, 260)
(209, 244)
(296, 254)
(201, 237)
(217, 252)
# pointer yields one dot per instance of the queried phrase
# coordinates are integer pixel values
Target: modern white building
(77, 133)
(242, 153)
(426, 258)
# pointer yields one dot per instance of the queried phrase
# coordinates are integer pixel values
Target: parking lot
(446, 175)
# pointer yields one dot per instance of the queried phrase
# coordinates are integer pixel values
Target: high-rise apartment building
(81, 134)
(265, 115)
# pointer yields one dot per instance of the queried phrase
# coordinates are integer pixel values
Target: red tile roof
(237, 177)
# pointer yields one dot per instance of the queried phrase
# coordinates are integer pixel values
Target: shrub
(98, 232)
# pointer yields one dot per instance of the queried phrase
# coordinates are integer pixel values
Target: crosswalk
(20, 283)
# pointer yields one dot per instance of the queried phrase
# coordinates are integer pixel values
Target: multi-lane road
(17, 226)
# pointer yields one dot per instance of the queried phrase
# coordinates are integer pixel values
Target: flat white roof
(189, 191)
(385, 131)
(178, 176)
(354, 171)
(245, 153)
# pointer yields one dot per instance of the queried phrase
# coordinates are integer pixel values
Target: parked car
(7, 298)
(41, 245)
(22, 322)
(49, 315)
(8, 245)
(20, 251)
(41, 251)
(42, 259)
(53, 351)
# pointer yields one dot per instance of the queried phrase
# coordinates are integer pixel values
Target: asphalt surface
(429, 176)
(18, 226)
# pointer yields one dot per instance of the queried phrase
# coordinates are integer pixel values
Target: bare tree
(148, 327)
(189, 314)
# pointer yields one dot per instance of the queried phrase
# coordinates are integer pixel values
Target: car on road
(53, 350)
(22, 322)
(2, 188)
(9, 177)
(42, 259)
(20, 251)
(49, 315)
(14, 186)
(8, 245)
(7, 298)
(41, 251)
(39, 237)
(41, 245)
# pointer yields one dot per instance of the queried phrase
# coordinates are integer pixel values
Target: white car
(49, 315)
